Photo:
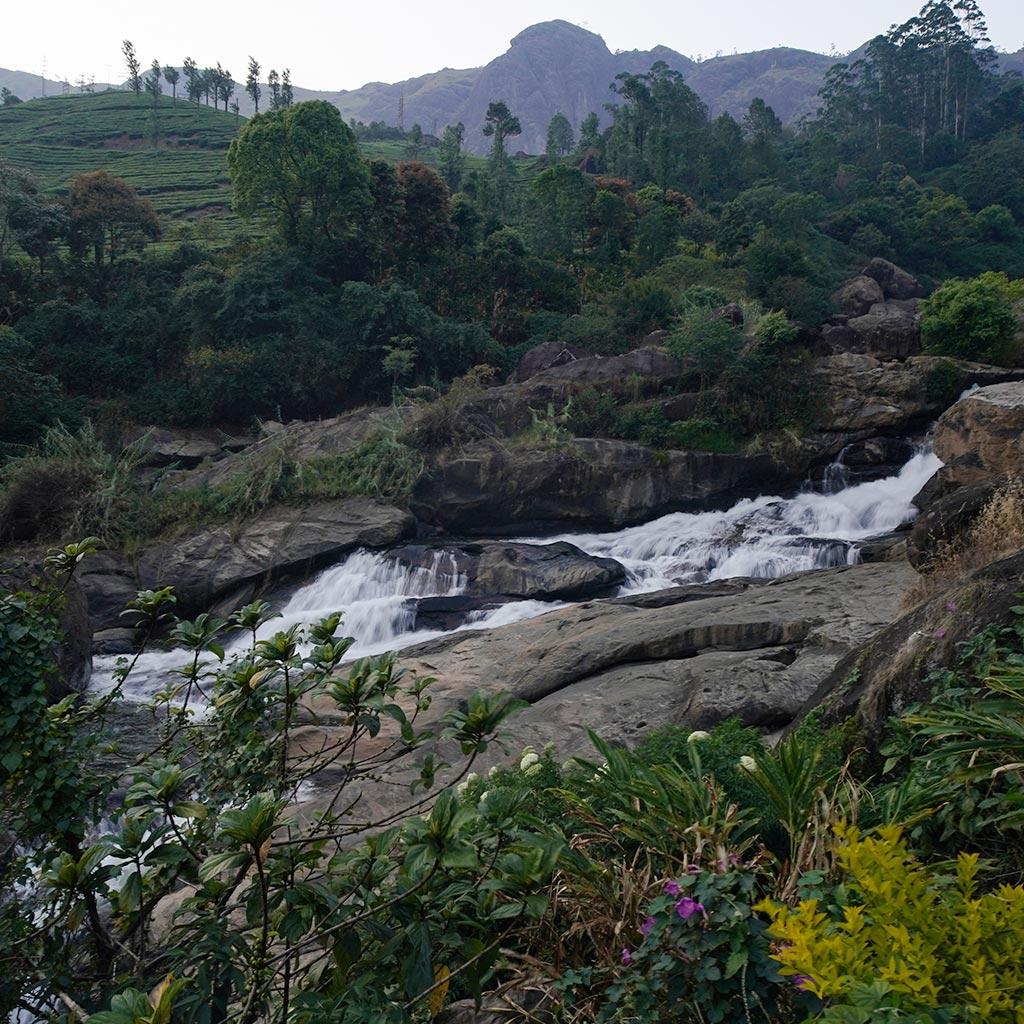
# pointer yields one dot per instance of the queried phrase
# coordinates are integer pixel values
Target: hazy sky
(341, 45)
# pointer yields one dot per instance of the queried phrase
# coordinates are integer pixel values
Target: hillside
(172, 153)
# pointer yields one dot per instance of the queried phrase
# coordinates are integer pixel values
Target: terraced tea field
(173, 153)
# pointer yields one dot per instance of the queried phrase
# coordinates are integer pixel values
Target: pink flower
(645, 928)
(940, 633)
(627, 957)
(672, 889)
(693, 869)
(687, 907)
(951, 606)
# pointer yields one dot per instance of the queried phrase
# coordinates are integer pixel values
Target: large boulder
(981, 437)
(490, 486)
(858, 295)
(545, 356)
(861, 393)
(558, 571)
(218, 562)
(945, 520)
(894, 282)
(888, 330)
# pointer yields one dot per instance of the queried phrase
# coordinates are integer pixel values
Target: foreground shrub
(973, 319)
(905, 936)
(343, 914)
(704, 956)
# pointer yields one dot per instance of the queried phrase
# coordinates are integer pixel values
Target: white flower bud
(528, 761)
(748, 764)
(697, 736)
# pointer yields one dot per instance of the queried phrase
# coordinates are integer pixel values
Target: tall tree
(450, 158)
(300, 169)
(252, 83)
(225, 86)
(590, 132)
(500, 124)
(286, 88)
(153, 86)
(108, 216)
(560, 139)
(274, 85)
(133, 65)
(173, 76)
(193, 80)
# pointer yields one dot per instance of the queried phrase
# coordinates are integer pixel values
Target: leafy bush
(325, 916)
(943, 382)
(973, 319)
(704, 956)
(904, 936)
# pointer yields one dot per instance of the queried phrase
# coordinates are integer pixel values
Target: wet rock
(895, 282)
(623, 668)
(558, 571)
(945, 519)
(215, 561)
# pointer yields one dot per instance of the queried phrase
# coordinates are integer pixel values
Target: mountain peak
(558, 31)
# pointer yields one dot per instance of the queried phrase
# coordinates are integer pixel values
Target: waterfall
(760, 537)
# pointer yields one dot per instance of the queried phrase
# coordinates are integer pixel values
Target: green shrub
(943, 382)
(700, 296)
(973, 319)
(704, 956)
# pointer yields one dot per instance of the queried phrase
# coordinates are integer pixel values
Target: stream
(762, 537)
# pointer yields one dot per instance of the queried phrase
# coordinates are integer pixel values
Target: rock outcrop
(860, 392)
(892, 670)
(489, 486)
(217, 563)
(894, 282)
(981, 437)
(693, 656)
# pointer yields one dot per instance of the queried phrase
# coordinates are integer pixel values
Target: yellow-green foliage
(931, 938)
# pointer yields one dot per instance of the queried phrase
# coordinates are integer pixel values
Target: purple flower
(672, 889)
(951, 606)
(687, 907)
(940, 633)
(801, 980)
(693, 869)
(627, 957)
(645, 928)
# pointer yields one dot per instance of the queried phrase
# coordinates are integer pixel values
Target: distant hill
(557, 66)
(550, 67)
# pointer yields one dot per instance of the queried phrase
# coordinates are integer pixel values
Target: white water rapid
(761, 537)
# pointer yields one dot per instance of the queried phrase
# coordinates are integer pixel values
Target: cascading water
(762, 537)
